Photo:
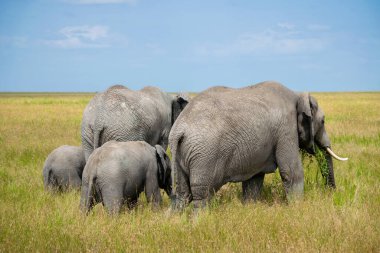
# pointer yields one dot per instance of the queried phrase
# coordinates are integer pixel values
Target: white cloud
(101, 1)
(81, 37)
(266, 42)
(87, 32)
(286, 25)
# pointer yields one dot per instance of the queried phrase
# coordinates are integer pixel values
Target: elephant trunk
(329, 154)
(330, 176)
(324, 143)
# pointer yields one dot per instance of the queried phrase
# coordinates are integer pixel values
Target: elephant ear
(305, 122)
(161, 166)
(178, 104)
(313, 105)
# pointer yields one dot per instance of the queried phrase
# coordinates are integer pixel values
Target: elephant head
(179, 103)
(311, 131)
(164, 170)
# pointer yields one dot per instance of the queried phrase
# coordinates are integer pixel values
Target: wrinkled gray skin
(239, 135)
(63, 168)
(122, 114)
(117, 172)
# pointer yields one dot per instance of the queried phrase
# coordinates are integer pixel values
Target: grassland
(344, 220)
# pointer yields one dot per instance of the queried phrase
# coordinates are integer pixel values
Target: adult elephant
(122, 114)
(239, 135)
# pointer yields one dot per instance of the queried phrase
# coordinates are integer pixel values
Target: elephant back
(127, 115)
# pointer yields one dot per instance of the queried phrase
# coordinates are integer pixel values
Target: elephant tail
(99, 122)
(49, 179)
(90, 195)
(175, 143)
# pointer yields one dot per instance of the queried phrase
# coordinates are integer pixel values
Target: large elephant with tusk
(239, 135)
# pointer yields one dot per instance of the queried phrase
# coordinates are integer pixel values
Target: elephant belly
(270, 168)
(247, 169)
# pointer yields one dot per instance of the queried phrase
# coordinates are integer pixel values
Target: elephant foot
(178, 204)
(295, 193)
(199, 204)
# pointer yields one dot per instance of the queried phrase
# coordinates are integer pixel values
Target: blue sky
(88, 45)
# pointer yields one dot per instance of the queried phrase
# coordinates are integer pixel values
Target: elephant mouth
(310, 150)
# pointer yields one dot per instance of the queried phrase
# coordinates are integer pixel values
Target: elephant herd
(222, 135)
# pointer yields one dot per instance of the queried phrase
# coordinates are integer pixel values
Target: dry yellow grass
(344, 220)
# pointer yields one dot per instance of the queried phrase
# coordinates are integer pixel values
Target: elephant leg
(61, 182)
(200, 203)
(291, 170)
(203, 189)
(64, 183)
(74, 180)
(202, 195)
(182, 190)
(252, 187)
(75, 183)
(112, 199)
(153, 194)
(52, 183)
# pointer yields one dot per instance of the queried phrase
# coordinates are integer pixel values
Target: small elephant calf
(63, 168)
(117, 172)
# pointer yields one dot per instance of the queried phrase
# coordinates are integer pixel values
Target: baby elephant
(63, 168)
(117, 172)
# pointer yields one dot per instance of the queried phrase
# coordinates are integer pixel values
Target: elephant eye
(323, 121)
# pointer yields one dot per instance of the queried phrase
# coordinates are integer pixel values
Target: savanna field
(343, 220)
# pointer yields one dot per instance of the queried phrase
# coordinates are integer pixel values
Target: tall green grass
(345, 220)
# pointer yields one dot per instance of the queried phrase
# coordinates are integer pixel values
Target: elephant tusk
(335, 156)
